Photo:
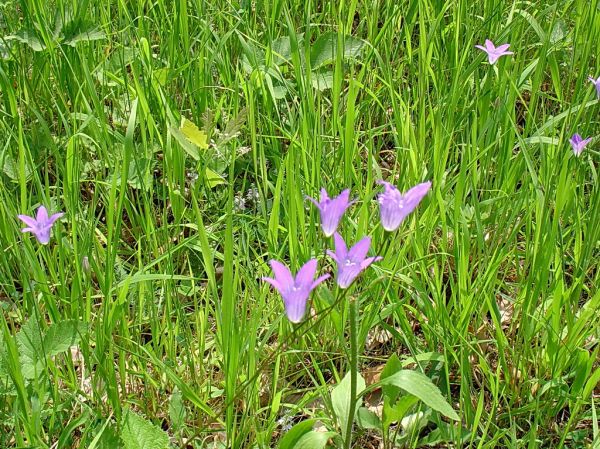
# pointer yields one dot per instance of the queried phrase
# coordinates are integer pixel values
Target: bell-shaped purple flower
(350, 263)
(578, 143)
(394, 207)
(41, 225)
(295, 291)
(596, 83)
(494, 52)
(331, 209)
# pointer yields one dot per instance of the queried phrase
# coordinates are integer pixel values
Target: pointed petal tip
(323, 195)
(42, 213)
(333, 256)
(55, 217)
(312, 200)
(29, 221)
(319, 280)
(282, 273)
(273, 282)
(370, 260)
(306, 273)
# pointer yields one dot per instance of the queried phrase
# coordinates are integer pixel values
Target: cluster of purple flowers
(394, 207)
(578, 143)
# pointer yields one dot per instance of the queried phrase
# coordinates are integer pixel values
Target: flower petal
(282, 274)
(274, 283)
(341, 251)
(42, 215)
(359, 251)
(502, 48)
(319, 280)
(333, 255)
(42, 235)
(332, 211)
(413, 197)
(369, 260)
(346, 274)
(324, 196)
(306, 274)
(312, 200)
(54, 217)
(29, 221)
(295, 304)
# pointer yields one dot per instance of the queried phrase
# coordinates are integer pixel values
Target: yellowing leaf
(213, 179)
(193, 134)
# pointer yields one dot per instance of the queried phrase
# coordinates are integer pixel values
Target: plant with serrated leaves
(68, 30)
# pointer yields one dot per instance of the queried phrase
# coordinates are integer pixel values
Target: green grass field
(180, 139)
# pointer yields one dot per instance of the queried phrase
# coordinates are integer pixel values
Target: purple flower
(395, 207)
(578, 143)
(596, 83)
(494, 52)
(295, 291)
(350, 263)
(331, 209)
(41, 225)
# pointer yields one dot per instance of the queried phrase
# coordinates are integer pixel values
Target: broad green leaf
(28, 38)
(340, 400)
(30, 343)
(324, 50)
(140, 172)
(11, 168)
(185, 143)
(395, 411)
(5, 51)
(322, 80)
(161, 75)
(105, 437)
(176, 410)
(6, 384)
(282, 50)
(444, 434)
(253, 57)
(62, 335)
(137, 433)
(84, 34)
(392, 366)
(277, 92)
(213, 179)
(193, 134)
(559, 31)
(292, 436)
(420, 385)
(313, 440)
(367, 419)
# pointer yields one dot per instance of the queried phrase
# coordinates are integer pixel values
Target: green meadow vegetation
(180, 139)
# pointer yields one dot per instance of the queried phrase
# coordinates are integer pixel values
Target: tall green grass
(493, 283)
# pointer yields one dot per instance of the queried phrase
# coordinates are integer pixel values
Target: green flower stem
(353, 371)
